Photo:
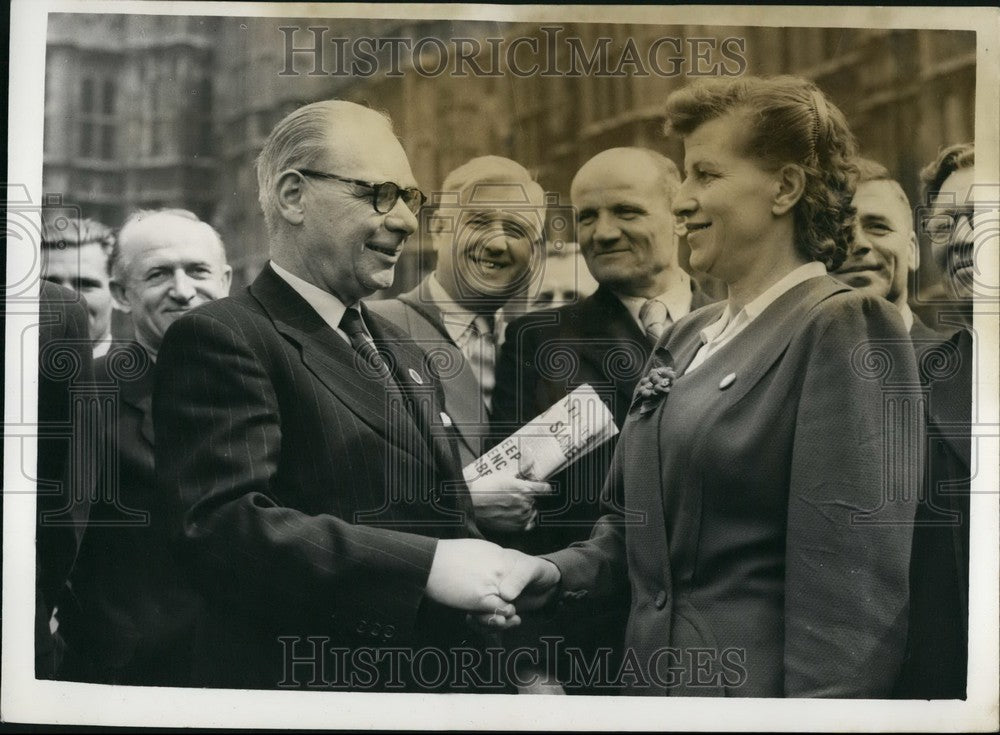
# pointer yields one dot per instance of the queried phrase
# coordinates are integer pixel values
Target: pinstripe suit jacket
(415, 313)
(308, 496)
(130, 604)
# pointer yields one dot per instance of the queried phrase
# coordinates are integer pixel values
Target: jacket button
(661, 600)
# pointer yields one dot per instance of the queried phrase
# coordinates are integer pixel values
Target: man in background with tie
(487, 233)
(311, 475)
(622, 198)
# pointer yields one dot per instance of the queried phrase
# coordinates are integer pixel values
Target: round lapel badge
(727, 381)
(416, 377)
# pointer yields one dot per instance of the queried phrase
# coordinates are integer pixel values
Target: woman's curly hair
(789, 120)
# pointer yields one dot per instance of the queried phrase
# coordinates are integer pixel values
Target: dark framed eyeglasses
(384, 195)
(942, 226)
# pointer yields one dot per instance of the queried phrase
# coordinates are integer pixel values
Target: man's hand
(484, 579)
(505, 503)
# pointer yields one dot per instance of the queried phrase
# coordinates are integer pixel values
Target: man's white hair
(299, 140)
(116, 266)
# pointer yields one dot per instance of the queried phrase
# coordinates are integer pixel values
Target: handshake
(492, 584)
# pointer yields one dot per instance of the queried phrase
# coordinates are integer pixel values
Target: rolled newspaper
(547, 444)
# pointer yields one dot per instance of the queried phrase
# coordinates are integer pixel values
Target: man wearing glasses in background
(302, 444)
(883, 253)
(937, 646)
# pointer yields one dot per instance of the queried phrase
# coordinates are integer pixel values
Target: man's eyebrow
(875, 217)
(951, 208)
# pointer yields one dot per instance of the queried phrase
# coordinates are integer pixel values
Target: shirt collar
(907, 313)
(754, 308)
(677, 299)
(328, 306)
(102, 345)
(456, 318)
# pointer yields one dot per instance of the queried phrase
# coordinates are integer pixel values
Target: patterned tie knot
(371, 362)
(654, 317)
(486, 325)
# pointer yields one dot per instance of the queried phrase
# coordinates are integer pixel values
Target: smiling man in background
(131, 616)
(935, 665)
(487, 234)
(626, 231)
(884, 249)
(622, 197)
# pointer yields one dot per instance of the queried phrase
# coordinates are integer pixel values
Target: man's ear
(289, 190)
(436, 224)
(227, 278)
(791, 184)
(119, 296)
(914, 259)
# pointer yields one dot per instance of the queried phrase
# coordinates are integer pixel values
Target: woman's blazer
(761, 510)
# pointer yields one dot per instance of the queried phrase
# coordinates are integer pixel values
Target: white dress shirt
(328, 306)
(729, 325)
(469, 331)
(102, 345)
(907, 314)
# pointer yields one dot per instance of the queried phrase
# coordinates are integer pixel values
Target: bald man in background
(626, 231)
(622, 198)
(130, 616)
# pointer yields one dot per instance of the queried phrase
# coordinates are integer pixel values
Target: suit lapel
(749, 355)
(419, 299)
(951, 397)
(324, 352)
(463, 396)
(138, 394)
(752, 352)
(423, 397)
(605, 322)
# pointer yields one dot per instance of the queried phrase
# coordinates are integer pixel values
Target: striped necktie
(371, 363)
(655, 319)
(482, 354)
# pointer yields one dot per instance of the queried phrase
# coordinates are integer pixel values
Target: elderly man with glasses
(307, 455)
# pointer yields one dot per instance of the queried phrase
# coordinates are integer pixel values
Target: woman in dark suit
(761, 494)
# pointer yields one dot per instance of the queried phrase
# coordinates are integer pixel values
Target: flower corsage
(653, 387)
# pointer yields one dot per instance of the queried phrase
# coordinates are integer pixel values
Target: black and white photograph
(369, 366)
